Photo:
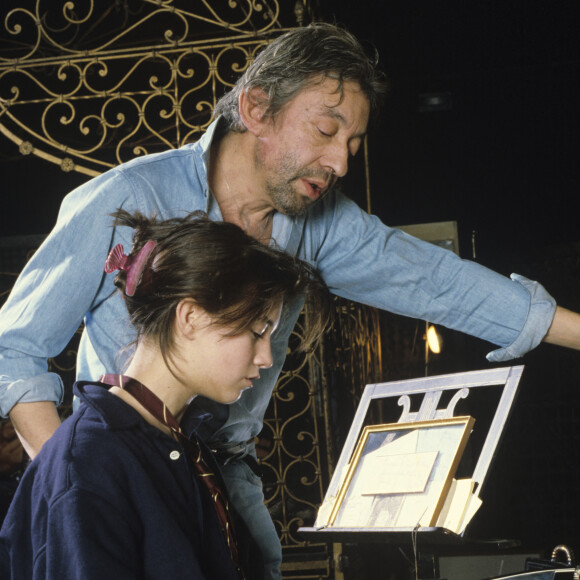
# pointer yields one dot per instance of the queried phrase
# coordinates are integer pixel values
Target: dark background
(501, 160)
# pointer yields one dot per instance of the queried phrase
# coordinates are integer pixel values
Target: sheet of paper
(455, 507)
(404, 444)
(389, 474)
(472, 507)
(356, 512)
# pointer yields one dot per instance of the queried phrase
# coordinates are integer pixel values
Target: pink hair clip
(134, 266)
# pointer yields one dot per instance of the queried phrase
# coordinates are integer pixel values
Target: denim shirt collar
(202, 166)
(286, 231)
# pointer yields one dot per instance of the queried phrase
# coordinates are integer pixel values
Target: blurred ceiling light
(433, 340)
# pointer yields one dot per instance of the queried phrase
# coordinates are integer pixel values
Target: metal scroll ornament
(312, 405)
(89, 84)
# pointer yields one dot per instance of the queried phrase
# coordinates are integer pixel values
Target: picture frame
(400, 474)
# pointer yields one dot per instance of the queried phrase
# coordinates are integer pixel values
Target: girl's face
(222, 367)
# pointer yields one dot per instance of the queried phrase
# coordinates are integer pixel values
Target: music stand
(435, 400)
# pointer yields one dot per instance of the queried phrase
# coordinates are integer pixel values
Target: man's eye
(324, 133)
(257, 335)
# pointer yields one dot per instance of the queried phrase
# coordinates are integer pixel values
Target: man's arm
(34, 423)
(565, 329)
(363, 260)
(46, 306)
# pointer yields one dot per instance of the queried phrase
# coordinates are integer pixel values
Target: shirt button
(175, 455)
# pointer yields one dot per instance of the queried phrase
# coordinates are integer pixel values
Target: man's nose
(336, 159)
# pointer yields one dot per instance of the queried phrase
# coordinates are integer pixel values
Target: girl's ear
(253, 104)
(186, 316)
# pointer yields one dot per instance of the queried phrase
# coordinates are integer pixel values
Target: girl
(125, 489)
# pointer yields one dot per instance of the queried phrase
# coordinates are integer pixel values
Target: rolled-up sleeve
(540, 315)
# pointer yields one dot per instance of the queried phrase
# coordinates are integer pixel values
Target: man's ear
(253, 105)
(186, 316)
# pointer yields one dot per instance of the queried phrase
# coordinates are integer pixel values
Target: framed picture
(400, 474)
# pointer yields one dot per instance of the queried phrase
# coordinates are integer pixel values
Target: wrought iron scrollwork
(311, 407)
(90, 85)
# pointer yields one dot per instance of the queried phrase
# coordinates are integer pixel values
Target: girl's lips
(250, 380)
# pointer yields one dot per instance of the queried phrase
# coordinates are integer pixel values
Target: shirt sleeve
(58, 286)
(540, 315)
(364, 260)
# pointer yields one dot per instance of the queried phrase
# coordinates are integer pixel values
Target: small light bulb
(433, 340)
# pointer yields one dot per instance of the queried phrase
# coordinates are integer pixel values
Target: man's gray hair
(302, 58)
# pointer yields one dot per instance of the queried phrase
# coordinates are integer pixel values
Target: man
(269, 164)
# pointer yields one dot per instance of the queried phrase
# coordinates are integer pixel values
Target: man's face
(303, 150)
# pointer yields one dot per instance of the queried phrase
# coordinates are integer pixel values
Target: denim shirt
(360, 258)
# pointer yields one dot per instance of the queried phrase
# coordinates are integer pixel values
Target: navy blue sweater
(110, 496)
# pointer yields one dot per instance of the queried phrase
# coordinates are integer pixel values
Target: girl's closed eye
(261, 333)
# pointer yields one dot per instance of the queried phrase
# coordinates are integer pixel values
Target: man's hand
(565, 329)
(34, 424)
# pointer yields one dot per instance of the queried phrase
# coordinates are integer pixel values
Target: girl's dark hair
(299, 59)
(232, 276)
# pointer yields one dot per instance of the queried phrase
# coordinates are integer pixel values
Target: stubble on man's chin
(288, 202)
(282, 193)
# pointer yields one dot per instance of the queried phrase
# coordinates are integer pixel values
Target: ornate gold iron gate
(309, 414)
(89, 85)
